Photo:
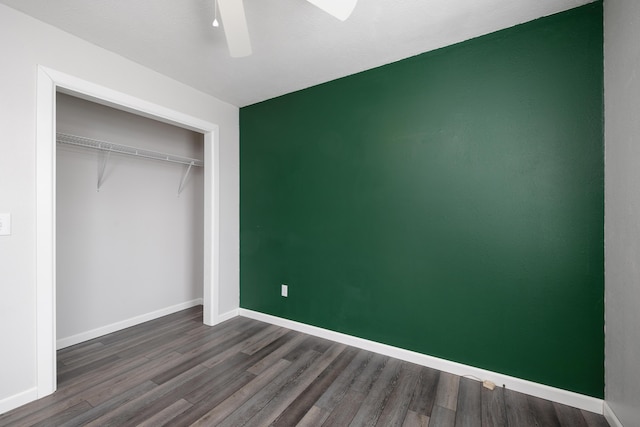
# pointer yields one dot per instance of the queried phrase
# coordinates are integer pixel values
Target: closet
(129, 219)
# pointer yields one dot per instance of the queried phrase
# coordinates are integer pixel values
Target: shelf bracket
(184, 178)
(102, 166)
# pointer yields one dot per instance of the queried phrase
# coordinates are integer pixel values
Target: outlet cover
(284, 290)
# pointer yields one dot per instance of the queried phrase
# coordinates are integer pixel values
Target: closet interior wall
(135, 247)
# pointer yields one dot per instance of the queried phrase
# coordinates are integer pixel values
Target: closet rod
(95, 144)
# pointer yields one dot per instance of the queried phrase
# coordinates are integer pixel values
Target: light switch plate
(284, 290)
(5, 224)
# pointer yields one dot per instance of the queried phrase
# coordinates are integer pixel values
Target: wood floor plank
(197, 356)
(110, 405)
(217, 387)
(38, 410)
(196, 344)
(217, 337)
(239, 347)
(152, 343)
(151, 409)
(126, 349)
(218, 395)
(65, 415)
(273, 357)
(228, 370)
(302, 349)
(214, 396)
(442, 417)
(425, 394)
(368, 377)
(314, 417)
(229, 405)
(288, 393)
(414, 419)
(569, 416)
(90, 367)
(305, 401)
(344, 412)
(447, 391)
(377, 398)
(395, 410)
(469, 405)
(493, 408)
(119, 384)
(121, 414)
(68, 354)
(137, 343)
(188, 315)
(271, 391)
(178, 344)
(67, 395)
(339, 388)
(321, 345)
(166, 415)
(279, 332)
(543, 412)
(517, 409)
(85, 380)
(594, 420)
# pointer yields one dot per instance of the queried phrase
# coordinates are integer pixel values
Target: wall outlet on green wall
(284, 290)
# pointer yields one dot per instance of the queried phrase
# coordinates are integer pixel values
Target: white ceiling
(295, 45)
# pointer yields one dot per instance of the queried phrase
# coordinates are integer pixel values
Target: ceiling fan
(235, 22)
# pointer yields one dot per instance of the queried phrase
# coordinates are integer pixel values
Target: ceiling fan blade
(340, 9)
(236, 31)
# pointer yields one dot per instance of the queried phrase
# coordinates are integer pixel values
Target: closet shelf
(124, 149)
(109, 147)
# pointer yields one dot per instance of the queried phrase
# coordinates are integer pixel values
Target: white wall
(622, 209)
(134, 247)
(25, 43)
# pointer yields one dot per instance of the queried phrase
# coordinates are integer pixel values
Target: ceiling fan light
(340, 9)
(215, 22)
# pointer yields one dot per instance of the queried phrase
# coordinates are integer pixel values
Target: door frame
(50, 82)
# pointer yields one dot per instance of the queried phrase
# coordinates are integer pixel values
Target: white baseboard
(534, 389)
(611, 417)
(17, 400)
(117, 326)
(226, 316)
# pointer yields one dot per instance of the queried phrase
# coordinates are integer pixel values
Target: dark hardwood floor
(175, 371)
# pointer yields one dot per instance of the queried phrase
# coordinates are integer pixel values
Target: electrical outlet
(5, 224)
(284, 290)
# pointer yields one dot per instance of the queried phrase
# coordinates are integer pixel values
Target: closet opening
(51, 85)
(129, 219)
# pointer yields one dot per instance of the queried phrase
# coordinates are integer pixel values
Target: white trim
(132, 321)
(534, 389)
(211, 228)
(11, 402)
(48, 82)
(611, 417)
(228, 315)
(45, 234)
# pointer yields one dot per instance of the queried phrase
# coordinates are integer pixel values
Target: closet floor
(176, 371)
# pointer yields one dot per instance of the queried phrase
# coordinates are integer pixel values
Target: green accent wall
(450, 203)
